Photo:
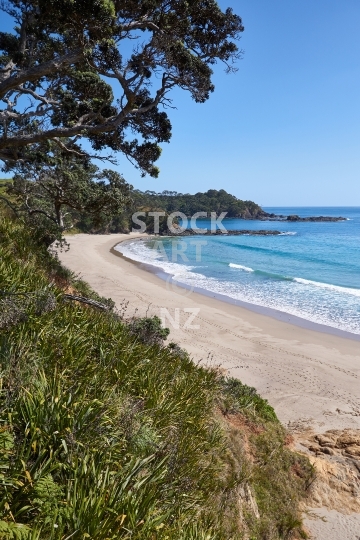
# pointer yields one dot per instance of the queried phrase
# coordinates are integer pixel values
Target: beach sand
(311, 378)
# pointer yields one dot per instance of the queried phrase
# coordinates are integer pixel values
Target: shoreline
(279, 315)
(309, 377)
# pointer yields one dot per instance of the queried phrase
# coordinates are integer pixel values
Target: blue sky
(283, 130)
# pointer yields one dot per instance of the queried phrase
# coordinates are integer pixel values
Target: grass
(4, 207)
(107, 433)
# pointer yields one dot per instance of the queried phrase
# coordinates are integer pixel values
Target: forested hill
(211, 201)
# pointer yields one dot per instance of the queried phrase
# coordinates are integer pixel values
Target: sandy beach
(307, 376)
(311, 378)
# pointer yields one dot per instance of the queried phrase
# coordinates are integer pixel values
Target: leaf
(63, 442)
(28, 476)
(14, 531)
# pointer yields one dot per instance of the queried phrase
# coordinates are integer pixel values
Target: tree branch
(108, 125)
(9, 204)
(140, 25)
(86, 301)
(38, 211)
(38, 71)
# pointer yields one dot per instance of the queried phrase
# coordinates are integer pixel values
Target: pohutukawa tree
(102, 70)
(59, 186)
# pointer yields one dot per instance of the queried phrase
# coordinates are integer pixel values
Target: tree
(102, 70)
(55, 190)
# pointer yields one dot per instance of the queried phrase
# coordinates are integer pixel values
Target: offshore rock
(315, 218)
(244, 232)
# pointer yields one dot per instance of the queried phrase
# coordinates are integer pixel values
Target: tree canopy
(211, 201)
(171, 201)
(102, 70)
(55, 192)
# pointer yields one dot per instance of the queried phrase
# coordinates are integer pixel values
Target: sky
(285, 129)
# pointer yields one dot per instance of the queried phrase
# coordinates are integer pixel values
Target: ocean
(310, 271)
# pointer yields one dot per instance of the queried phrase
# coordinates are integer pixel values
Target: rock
(243, 232)
(353, 451)
(348, 439)
(327, 450)
(295, 218)
(315, 218)
(326, 441)
(336, 457)
(246, 494)
(314, 449)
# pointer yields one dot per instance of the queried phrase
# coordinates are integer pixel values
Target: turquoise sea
(311, 271)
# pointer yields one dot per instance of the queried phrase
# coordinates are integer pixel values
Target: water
(311, 271)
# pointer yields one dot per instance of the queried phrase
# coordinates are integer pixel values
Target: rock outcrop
(335, 455)
(295, 218)
(243, 232)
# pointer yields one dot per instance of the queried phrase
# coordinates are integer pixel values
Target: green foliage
(171, 201)
(104, 435)
(149, 330)
(279, 478)
(177, 350)
(14, 531)
(239, 397)
(6, 202)
(54, 188)
(119, 432)
(210, 201)
(68, 50)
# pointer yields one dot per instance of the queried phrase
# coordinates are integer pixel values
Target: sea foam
(241, 267)
(344, 290)
(333, 305)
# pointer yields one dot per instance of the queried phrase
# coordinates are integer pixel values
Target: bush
(238, 397)
(149, 330)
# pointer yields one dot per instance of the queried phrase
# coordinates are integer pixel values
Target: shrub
(238, 397)
(149, 330)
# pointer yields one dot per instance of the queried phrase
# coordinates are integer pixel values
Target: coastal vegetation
(109, 431)
(54, 192)
(107, 428)
(167, 202)
(211, 201)
(67, 192)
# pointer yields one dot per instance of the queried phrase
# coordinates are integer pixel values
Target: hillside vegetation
(136, 201)
(170, 201)
(3, 185)
(211, 201)
(106, 432)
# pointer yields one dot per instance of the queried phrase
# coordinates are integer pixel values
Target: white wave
(337, 288)
(288, 233)
(241, 267)
(138, 252)
(317, 302)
